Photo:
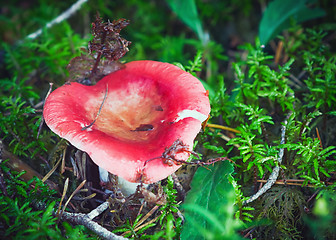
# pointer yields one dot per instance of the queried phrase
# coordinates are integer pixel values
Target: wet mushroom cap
(148, 105)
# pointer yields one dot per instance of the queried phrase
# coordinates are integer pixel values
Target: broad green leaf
(279, 14)
(209, 205)
(186, 10)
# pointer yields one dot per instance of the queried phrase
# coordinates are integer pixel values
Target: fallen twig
(224, 137)
(284, 182)
(211, 125)
(18, 165)
(275, 173)
(65, 15)
(86, 220)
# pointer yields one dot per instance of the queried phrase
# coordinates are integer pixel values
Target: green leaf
(209, 205)
(279, 13)
(316, 168)
(332, 113)
(186, 10)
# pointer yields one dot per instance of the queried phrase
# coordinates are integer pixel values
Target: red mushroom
(143, 109)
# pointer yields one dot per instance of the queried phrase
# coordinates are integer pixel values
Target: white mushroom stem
(103, 174)
(127, 188)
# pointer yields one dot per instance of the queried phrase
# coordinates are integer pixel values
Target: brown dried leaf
(107, 41)
(106, 47)
(80, 69)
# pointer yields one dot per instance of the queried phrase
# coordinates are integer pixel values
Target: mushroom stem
(127, 188)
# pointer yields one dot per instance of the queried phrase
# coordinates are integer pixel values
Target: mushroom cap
(148, 105)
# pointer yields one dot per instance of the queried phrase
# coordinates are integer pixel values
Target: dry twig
(275, 173)
(65, 15)
(86, 220)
